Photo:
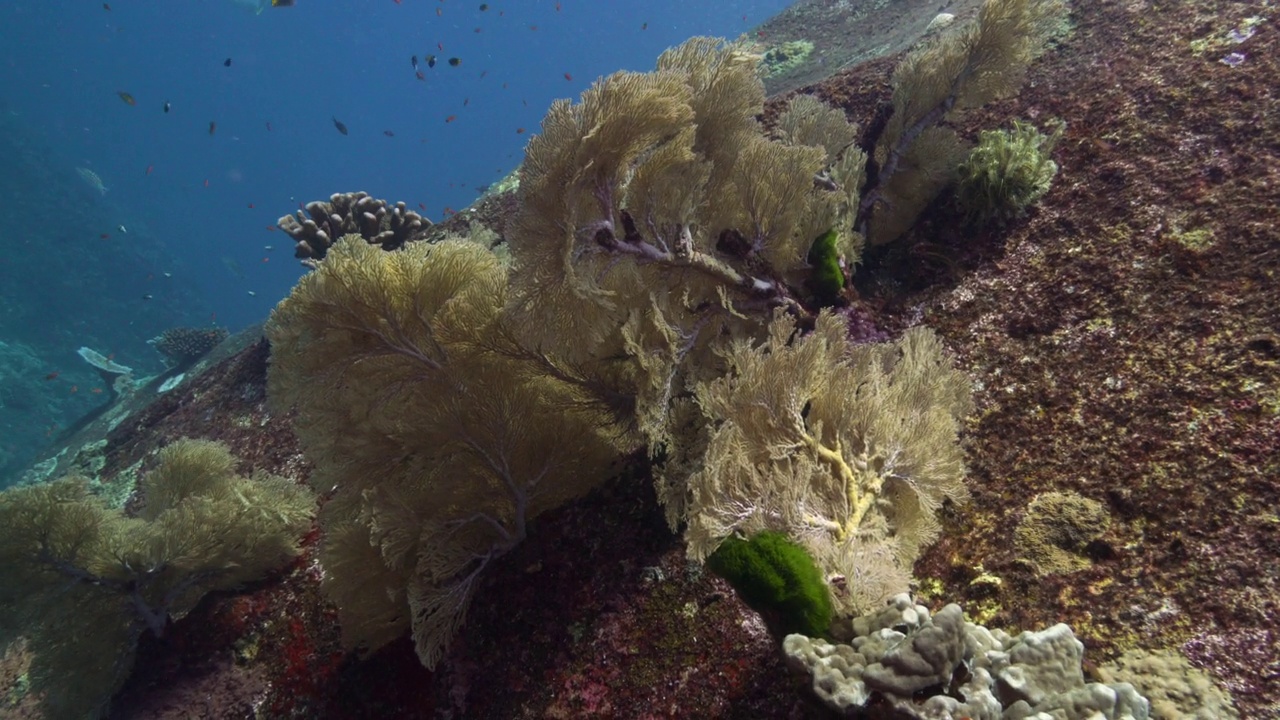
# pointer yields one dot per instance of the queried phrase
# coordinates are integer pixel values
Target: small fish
(440, 46)
(644, 26)
(420, 205)
(388, 133)
(147, 296)
(250, 206)
(418, 74)
(268, 126)
(106, 7)
(533, 27)
(52, 376)
(519, 131)
(557, 7)
(226, 63)
(451, 118)
(206, 182)
(338, 124)
(252, 293)
(567, 76)
(126, 97)
(272, 228)
(466, 101)
(150, 168)
(167, 274)
(484, 7)
(104, 236)
(431, 61)
(414, 61)
(455, 62)
(167, 106)
(281, 3)
(265, 259)
(96, 391)
(75, 388)
(213, 127)
(439, 12)
(122, 229)
(268, 248)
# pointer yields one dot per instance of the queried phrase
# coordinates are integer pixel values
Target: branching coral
(183, 346)
(355, 213)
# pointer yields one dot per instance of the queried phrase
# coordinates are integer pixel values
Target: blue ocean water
(207, 120)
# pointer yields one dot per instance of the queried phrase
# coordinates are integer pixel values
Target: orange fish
(52, 376)
(451, 118)
(272, 228)
(439, 12)
(96, 391)
(127, 98)
(519, 131)
(419, 75)
(557, 7)
(206, 182)
(424, 207)
(567, 76)
(104, 236)
(440, 46)
(150, 168)
(74, 388)
(265, 259)
(250, 206)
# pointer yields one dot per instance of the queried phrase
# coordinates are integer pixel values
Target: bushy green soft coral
(786, 57)
(778, 578)
(83, 581)
(1006, 172)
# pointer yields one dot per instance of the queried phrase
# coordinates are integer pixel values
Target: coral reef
(354, 213)
(1111, 357)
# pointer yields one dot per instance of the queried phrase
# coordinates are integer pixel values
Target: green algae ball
(778, 579)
